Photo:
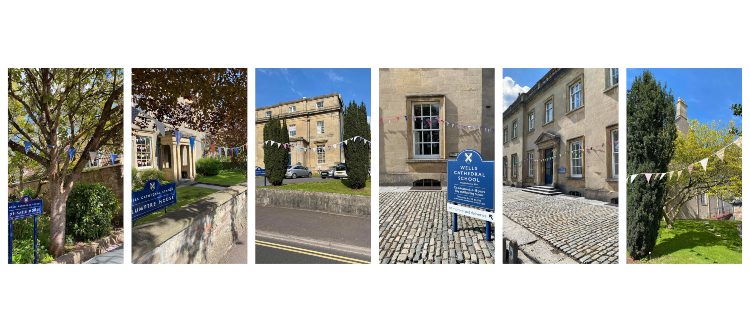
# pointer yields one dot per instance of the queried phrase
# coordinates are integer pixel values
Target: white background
(370, 34)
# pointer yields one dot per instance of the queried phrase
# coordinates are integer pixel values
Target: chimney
(681, 108)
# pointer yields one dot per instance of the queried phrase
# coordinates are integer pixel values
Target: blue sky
(518, 80)
(707, 92)
(278, 85)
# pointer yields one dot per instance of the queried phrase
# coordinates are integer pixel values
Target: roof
(540, 85)
(301, 100)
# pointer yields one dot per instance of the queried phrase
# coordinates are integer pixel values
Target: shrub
(208, 166)
(357, 153)
(141, 177)
(23, 252)
(90, 208)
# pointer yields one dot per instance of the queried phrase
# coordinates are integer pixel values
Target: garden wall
(201, 232)
(109, 176)
(314, 201)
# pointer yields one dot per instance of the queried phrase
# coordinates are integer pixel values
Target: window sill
(575, 110)
(613, 179)
(549, 123)
(531, 131)
(610, 88)
(576, 178)
(425, 160)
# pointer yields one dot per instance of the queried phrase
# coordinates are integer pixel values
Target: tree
(356, 151)
(736, 111)
(212, 100)
(274, 155)
(651, 133)
(722, 178)
(55, 109)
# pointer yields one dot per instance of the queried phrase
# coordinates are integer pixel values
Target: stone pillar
(191, 160)
(176, 163)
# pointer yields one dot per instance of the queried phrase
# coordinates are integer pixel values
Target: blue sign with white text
(26, 207)
(153, 197)
(471, 181)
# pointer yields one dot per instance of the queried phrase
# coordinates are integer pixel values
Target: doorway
(549, 166)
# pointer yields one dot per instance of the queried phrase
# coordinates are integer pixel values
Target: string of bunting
(329, 146)
(703, 163)
(429, 121)
(93, 155)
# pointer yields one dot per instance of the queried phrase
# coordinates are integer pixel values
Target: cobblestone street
(416, 228)
(583, 229)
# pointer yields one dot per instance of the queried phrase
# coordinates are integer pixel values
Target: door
(549, 166)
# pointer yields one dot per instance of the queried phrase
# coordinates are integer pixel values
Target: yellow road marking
(299, 250)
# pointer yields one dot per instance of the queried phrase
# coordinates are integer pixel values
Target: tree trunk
(58, 196)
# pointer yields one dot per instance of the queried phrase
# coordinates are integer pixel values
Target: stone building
(152, 150)
(562, 135)
(428, 116)
(313, 124)
(705, 206)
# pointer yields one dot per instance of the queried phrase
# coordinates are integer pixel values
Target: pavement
(259, 180)
(237, 254)
(416, 228)
(211, 186)
(285, 235)
(111, 257)
(583, 230)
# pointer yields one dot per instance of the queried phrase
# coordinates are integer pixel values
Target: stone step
(543, 190)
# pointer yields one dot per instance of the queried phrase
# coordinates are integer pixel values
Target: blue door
(549, 166)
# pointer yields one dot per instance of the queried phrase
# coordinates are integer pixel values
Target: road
(259, 180)
(297, 236)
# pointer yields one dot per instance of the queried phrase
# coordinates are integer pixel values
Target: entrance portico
(548, 146)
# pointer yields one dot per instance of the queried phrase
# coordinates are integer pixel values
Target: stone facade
(341, 204)
(417, 107)
(564, 133)
(313, 123)
(151, 150)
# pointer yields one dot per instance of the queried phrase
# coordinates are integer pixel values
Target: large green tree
(55, 109)
(275, 156)
(722, 177)
(356, 151)
(212, 100)
(651, 134)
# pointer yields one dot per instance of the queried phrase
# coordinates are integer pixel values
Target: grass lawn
(226, 177)
(185, 196)
(698, 241)
(337, 186)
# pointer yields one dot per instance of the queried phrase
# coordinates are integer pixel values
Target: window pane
(417, 110)
(435, 148)
(417, 123)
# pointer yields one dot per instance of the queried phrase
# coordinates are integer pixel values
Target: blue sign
(561, 170)
(471, 181)
(153, 197)
(24, 208)
(260, 171)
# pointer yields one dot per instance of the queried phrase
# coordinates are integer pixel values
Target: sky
(708, 93)
(273, 86)
(519, 80)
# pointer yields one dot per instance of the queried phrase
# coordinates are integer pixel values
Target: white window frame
(269, 114)
(530, 157)
(576, 154)
(615, 154)
(434, 128)
(575, 91)
(549, 111)
(320, 150)
(292, 130)
(505, 135)
(319, 104)
(514, 130)
(148, 151)
(321, 127)
(292, 109)
(614, 77)
(532, 120)
(514, 165)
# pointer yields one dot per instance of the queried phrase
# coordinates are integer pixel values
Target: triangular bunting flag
(648, 176)
(26, 146)
(71, 152)
(159, 126)
(704, 163)
(632, 177)
(113, 158)
(720, 153)
(92, 156)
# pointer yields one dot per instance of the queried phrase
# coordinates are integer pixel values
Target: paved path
(111, 257)
(416, 228)
(211, 186)
(583, 229)
(290, 230)
(238, 253)
(259, 180)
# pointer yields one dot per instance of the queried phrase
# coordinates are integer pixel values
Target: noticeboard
(471, 181)
(153, 197)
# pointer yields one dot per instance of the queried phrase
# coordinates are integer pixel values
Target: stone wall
(314, 201)
(201, 232)
(109, 176)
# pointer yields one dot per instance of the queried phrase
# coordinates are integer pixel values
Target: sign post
(471, 189)
(261, 172)
(153, 197)
(22, 209)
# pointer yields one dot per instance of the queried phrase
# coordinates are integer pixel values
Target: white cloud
(334, 76)
(511, 90)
